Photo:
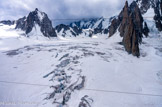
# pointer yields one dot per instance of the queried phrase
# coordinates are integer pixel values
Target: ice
(95, 71)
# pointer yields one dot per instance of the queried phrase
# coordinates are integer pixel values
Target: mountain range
(132, 22)
(97, 62)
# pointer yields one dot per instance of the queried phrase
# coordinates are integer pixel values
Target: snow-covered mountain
(152, 9)
(75, 31)
(97, 25)
(67, 31)
(101, 23)
(36, 23)
(131, 25)
(7, 22)
(82, 67)
(141, 18)
(84, 72)
(85, 27)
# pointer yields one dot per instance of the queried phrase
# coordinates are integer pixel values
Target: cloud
(14, 9)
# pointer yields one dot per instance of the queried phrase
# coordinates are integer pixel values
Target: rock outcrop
(131, 28)
(96, 25)
(146, 30)
(7, 22)
(130, 25)
(21, 24)
(158, 14)
(113, 27)
(36, 17)
(66, 30)
(156, 5)
(144, 5)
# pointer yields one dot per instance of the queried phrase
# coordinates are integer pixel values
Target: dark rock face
(131, 28)
(7, 22)
(97, 30)
(157, 6)
(130, 39)
(36, 17)
(21, 23)
(124, 22)
(75, 31)
(97, 25)
(113, 27)
(146, 30)
(130, 24)
(158, 15)
(62, 26)
(161, 6)
(145, 5)
(106, 31)
(84, 24)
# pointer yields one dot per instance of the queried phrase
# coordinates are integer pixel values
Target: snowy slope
(102, 23)
(112, 77)
(36, 22)
(149, 19)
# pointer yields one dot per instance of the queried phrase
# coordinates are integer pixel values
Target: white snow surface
(40, 15)
(111, 74)
(149, 19)
(102, 22)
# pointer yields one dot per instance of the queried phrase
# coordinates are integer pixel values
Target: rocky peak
(131, 28)
(98, 25)
(62, 26)
(144, 5)
(158, 14)
(36, 9)
(21, 23)
(156, 5)
(130, 25)
(114, 25)
(161, 6)
(77, 30)
(7, 22)
(41, 19)
(66, 30)
(125, 14)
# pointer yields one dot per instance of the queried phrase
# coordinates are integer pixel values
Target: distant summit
(7, 22)
(67, 31)
(96, 25)
(156, 5)
(36, 20)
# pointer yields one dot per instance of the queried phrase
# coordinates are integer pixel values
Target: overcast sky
(14, 9)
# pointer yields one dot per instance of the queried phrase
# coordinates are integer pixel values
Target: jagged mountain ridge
(104, 23)
(7, 22)
(38, 20)
(130, 25)
(100, 23)
(94, 25)
(66, 30)
(156, 6)
(87, 27)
